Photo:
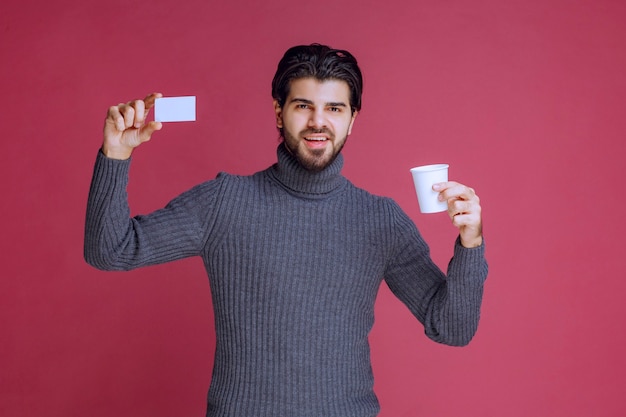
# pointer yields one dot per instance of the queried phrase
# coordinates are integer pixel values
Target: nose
(317, 119)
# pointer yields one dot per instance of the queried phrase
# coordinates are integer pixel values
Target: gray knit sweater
(295, 261)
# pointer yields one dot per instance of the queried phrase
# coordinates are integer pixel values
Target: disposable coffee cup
(424, 177)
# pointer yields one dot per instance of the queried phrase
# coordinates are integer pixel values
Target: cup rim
(429, 168)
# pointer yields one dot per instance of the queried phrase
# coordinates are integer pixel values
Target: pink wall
(524, 99)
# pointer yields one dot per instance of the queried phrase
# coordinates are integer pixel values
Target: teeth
(316, 139)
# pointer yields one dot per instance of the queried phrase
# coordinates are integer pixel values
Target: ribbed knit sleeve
(115, 241)
(447, 305)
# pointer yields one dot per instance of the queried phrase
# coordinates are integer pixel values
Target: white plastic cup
(424, 177)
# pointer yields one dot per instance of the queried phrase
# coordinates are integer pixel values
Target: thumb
(146, 131)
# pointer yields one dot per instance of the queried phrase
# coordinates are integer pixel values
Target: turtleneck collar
(291, 175)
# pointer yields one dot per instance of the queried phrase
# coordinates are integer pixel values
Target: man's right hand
(125, 127)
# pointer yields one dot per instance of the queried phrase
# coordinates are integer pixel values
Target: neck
(297, 179)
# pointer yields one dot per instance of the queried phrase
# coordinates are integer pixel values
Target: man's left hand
(464, 210)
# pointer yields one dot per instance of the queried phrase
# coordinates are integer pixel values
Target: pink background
(524, 99)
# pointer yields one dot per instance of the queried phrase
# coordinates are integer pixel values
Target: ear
(279, 114)
(352, 121)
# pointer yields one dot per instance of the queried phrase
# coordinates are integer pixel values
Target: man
(295, 253)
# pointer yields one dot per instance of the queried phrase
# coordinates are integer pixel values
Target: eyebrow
(330, 104)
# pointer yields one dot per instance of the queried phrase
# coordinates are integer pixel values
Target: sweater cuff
(458, 247)
(469, 259)
(118, 165)
(109, 173)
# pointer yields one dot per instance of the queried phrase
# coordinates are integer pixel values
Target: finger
(441, 186)
(463, 220)
(456, 207)
(457, 191)
(114, 116)
(447, 190)
(468, 224)
(139, 116)
(150, 99)
(128, 112)
(145, 133)
(149, 103)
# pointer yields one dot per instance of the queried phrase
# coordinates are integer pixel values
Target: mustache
(322, 130)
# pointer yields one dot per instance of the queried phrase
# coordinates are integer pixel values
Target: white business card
(175, 109)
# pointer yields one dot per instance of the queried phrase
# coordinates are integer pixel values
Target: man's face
(316, 120)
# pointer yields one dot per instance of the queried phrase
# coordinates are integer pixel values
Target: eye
(335, 109)
(302, 106)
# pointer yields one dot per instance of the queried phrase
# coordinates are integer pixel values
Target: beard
(314, 160)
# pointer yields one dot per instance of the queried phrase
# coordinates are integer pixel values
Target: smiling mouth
(315, 139)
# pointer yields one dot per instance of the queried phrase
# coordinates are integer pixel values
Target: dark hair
(320, 62)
